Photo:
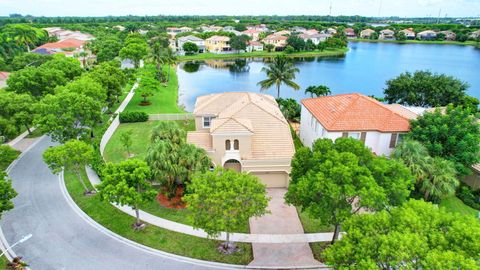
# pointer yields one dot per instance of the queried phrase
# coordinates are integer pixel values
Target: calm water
(364, 69)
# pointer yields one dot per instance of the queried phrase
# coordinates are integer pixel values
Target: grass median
(152, 236)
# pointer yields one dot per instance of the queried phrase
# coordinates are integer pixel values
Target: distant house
(311, 32)
(475, 35)
(381, 127)
(258, 27)
(386, 34)
(193, 39)
(449, 35)
(367, 33)
(245, 132)
(235, 32)
(315, 38)
(211, 28)
(69, 47)
(299, 29)
(409, 33)
(330, 31)
(427, 35)
(279, 42)
(176, 30)
(228, 28)
(3, 79)
(350, 33)
(62, 34)
(283, 33)
(254, 34)
(254, 46)
(119, 28)
(218, 44)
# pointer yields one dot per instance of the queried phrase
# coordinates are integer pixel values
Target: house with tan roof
(367, 33)
(409, 33)
(218, 44)
(381, 127)
(69, 47)
(387, 34)
(279, 42)
(254, 34)
(245, 132)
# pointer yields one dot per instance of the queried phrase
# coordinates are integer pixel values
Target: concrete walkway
(283, 219)
(268, 236)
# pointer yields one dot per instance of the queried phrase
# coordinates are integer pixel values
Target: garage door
(273, 179)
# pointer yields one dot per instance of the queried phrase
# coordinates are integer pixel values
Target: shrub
(469, 196)
(132, 117)
(7, 155)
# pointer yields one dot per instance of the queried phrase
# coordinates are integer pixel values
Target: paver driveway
(282, 220)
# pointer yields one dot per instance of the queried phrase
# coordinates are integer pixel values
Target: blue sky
(402, 8)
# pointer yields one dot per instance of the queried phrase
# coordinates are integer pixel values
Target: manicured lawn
(163, 101)
(205, 56)
(172, 242)
(141, 133)
(437, 42)
(311, 225)
(455, 205)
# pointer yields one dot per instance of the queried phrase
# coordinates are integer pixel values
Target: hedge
(469, 196)
(132, 117)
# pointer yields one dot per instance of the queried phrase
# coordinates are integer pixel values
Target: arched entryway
(233, 164)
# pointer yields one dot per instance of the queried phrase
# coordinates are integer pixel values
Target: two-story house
(245, 132)
(279, 42)
(218, 44)
(193, 39)
(381, 127)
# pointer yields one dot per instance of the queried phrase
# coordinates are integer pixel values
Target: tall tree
(224, 200)
(425, 89)
(190, 48)
(280, 71)
(135, 52)
(112, 78)
(29, 60)
(35, 81)
(70, 67)
(416, 235)
(318, 91)
(453, 134)
(73, 155)
(7, 193)
(126, 183)
(18, 107)
(334, 181)
(442, 179)
(126, 140)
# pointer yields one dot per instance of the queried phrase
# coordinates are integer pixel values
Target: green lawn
(437, 42)
(311, 225)
(141, 133)
(455, 205)
(163, 101)
(205, 56)
(172, 242)
(3, 263)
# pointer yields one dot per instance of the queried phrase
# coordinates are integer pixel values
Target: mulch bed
(175, 203)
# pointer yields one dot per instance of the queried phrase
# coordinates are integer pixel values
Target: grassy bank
(455, 205)
(206, 56)
(154, 237)
(163, 101)
(436, 42)
(141, 133)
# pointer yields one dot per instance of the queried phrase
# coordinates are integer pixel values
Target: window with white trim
(354, 135)
(207, 120)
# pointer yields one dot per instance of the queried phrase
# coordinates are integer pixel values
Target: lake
(364, 69)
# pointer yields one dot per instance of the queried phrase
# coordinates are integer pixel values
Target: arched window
(228, 145)
(236, 145)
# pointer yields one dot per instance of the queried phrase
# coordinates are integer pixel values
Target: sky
(374, 8)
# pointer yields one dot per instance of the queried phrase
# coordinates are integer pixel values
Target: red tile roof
(4, 75)
(67, 43)
(355, 112)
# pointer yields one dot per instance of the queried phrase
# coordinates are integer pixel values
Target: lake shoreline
(434, 42)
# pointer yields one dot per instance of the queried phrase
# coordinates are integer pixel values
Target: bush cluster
(469, 196)
(133, 117)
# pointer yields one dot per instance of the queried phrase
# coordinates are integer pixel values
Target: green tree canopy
(111, 77)
(7, 193)
(126, 183)
(334, 181)
(86, 86)
(70, 67)
(290, 108)
(280, 71)
(453, 134)
(73, 155)
(35, 81)
(17, 107)
(29, 60)
(135, 52)
(224, 200)
(190, 47)
(425, 89)
(416, 235)
(318, 91)
(239, 43)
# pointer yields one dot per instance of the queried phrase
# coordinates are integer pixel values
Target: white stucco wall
(378, 142)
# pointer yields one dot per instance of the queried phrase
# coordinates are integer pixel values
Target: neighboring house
(259, 27)
(350, 33)
(142, 31)
(311, 32)
(409, 33)
(235, 32)
(315, 38)
(211, 28)
(283, 33)
(367, 33)
(449, 35)
(475, 35)
(386, 34)
(119, 28)
(62, 34)
(381, 127)
(218, 44)
(3, 79)
(278, 41)
(245, 132)
(228, 28)
(252, 33)
(427, 35)
(254, 46)
(331, 31)
(193, 39)
(69, 47)
(299, 29)
(474, 179)
(176, 30)
(172, 44)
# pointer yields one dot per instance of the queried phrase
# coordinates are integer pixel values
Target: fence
(171, 117)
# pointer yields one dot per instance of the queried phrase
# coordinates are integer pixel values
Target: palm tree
(441, 181)
(415, 156)
(194, 160)
(156, 55)
(280, 71)
(23, 35)
(169, 58)
(320, 90)
(168, 131)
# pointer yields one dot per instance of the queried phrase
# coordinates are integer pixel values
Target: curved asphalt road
(61, 238)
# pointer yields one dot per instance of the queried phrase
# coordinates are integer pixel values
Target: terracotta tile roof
(401, 110)
(275, 37)
(67, 43)
(252, 112)
(355, 112)
(254, 43)
(4, 75)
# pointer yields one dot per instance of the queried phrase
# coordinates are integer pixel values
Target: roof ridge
(236, 120)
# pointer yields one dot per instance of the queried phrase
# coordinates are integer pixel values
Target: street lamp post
(25, 238)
